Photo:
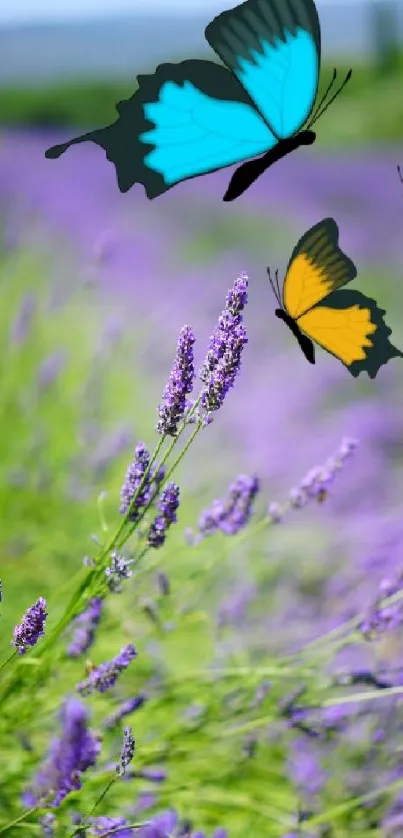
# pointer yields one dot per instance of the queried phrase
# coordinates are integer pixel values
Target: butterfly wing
(317, 267)
(273, 48)
(184, 120)
(351, 327)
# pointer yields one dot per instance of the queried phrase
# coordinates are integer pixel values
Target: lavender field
(266, 689)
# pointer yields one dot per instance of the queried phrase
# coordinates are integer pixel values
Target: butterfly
(347, 324)
(193, 118)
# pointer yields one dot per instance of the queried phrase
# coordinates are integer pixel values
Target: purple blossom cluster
(223, 360)
(231, 514)
(140, 484)
(103, 677)
(316, 484)
(168, 504)
(179, 385)
(69, 757)
(381, 618)
(118, 570)
(164, 825)
(127, 752)
(31, 628)
(85, 626)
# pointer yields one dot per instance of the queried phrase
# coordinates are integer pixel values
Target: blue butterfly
(192, 118)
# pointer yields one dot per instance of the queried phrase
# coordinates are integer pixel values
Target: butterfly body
(304, 342)
(196, 117)
(250, 171)
(317, 309)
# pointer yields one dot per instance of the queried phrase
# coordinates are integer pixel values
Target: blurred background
(102, 264)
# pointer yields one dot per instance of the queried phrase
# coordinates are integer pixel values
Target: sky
(24, 11)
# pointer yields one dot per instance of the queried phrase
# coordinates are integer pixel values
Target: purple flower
(22, 323)
(106, 675)
(50, 369)
(103, 824)
(233, 608)
(382, 618)
(161, 826)
(233, 513)
(47, 824)
(118, 569)
(31, 627)
(315, 485)
(223, 360)
(168, 504)
(85, 627)
(305, 767)
(127, 752)
(180, 384)
(69, 756)
(135, 478)
(129, 706)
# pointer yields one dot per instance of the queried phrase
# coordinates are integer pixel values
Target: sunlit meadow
(201, 534)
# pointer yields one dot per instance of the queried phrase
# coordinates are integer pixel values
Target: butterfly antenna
(335, 95)
(324, 97)
(278, 290)
(399, 171)
(273, 287)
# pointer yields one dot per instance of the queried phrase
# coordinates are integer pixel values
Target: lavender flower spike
(106, 675)
(167, 504)
(180, 384)
(119, 569)
(383, 618)
(31, 627)
(223, 360)
(127, 753)
(134, 476)
(316, 484)
(85, 627)
(233, 513)
(69, 756)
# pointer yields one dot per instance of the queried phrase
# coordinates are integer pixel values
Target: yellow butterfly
(346, 323)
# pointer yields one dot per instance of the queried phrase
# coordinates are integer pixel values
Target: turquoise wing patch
(184, 120)
(273, 48)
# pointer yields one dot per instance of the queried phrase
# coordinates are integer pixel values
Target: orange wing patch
(342, 332)
(351, 327)
(316, 268)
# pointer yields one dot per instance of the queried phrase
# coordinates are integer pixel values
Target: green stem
(96, 804)
(353, 803)
(371, 695)
(167, 476)
(114, 540)
(21, 818)
(7, 661)
(119, 828)
(349, 626)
